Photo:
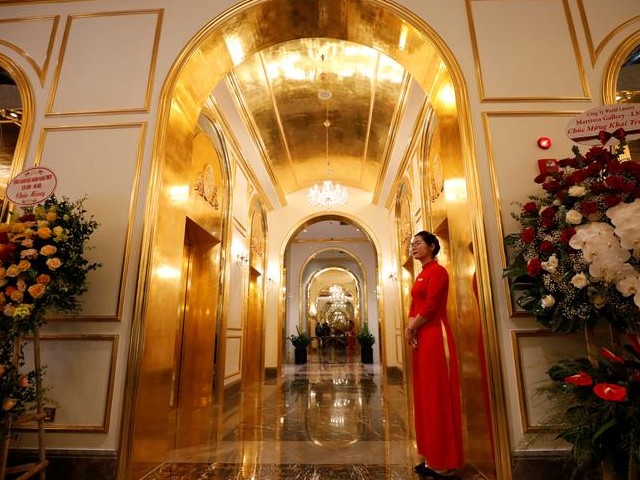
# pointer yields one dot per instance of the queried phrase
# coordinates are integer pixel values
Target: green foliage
(302, 339)
(364, 337)
(597, 408)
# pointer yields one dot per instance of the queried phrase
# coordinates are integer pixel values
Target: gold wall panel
(534, 352)
(104, 164)
(78, 379)
(32, 38)
(504, 56)
(602, 20)
(513, 154)
(82, 72)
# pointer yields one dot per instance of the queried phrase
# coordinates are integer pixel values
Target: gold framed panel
(142, 126)
(49, 112)
(576, 49)
(547, 347)
(101, 426)
(41, 71)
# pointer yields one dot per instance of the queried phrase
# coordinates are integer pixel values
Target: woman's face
(420, 250)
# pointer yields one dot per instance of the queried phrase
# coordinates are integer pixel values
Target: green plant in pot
(366, 340)
(300, 342)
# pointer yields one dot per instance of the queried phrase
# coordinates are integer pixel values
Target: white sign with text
(32, 186)
(608, 124)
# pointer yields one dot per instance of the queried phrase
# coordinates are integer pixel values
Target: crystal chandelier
(327, 194)
(337, 296)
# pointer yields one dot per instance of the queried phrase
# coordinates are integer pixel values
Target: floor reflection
(329, 419)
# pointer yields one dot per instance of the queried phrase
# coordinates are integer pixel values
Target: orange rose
(43, 278)
(13, 271)
(3, 369)
(24, 265)
(37, 290)
(17, 296)
(54, 263)
(51, 216)
(24, 381)
(9, 310)
(48, 250)
(9, 290)
(18, 227)
(3, 272)
(44, 232)
(8, 404)
(5, 227)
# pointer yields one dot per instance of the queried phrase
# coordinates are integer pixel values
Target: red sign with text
(32, 186)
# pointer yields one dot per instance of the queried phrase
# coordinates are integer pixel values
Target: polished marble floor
(333, 418)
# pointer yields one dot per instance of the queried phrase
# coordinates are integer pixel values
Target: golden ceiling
(321, 108)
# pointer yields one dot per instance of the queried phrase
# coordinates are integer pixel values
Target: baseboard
(547, 464)
(76, 465)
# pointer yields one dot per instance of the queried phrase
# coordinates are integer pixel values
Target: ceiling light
(327, 194)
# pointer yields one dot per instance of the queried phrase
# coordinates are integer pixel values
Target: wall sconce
(242, 259)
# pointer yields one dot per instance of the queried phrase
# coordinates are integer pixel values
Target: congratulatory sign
(32, 186)
(609, 123)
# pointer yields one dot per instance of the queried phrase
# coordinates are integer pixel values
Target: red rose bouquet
(576, 259)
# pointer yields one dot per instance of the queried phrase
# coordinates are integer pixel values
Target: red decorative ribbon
(605, 136)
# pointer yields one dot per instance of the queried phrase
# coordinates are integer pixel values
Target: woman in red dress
(436, 383)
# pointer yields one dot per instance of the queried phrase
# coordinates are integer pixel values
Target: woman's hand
(410, 334)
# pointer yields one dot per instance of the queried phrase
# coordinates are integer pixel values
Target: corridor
(332, 418)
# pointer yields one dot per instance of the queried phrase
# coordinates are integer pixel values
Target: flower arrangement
(598, 408)
(42, 268)
(576, 260)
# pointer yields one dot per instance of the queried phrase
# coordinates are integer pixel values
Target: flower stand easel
(26, 470)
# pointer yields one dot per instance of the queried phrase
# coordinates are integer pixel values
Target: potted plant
(597, 410)
(300, 343)
(366, 340)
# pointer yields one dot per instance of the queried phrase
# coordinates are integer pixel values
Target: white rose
(548, 301)
(577, 191)
(574, 217)
(550, 265)
(580, 280)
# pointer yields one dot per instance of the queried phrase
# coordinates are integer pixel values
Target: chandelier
(327, 194)
(337, 296)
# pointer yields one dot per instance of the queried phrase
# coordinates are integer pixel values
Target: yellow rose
(51, 216)
(44, 232)
(36, 290)
(48, 250)
(53, 263)
(57, 231)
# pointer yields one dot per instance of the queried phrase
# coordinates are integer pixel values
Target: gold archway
(209, 56)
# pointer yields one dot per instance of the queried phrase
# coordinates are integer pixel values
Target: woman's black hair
(430, 239)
